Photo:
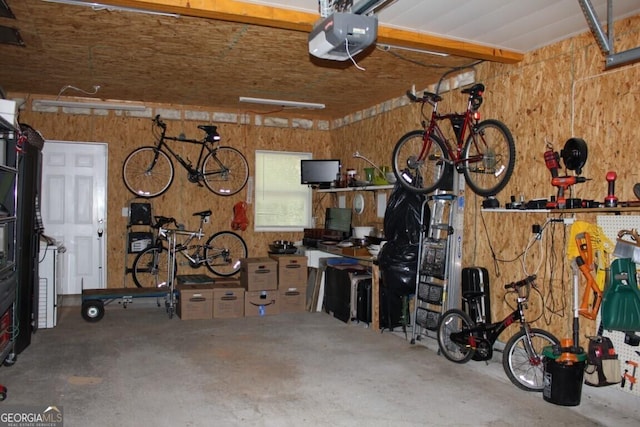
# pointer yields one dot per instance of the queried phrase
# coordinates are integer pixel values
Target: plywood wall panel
(557, 92)
(123, 133)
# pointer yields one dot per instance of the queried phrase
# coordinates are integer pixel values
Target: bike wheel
(523, 370)
(223, 253)
(147, 172)
(490, 156)
(419, 167)
(453, 321)
(151, 268)
(225, 171)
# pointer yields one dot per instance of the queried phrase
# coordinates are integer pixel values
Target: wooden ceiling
(210, 56)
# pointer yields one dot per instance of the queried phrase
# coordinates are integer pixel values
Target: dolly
(94, 300)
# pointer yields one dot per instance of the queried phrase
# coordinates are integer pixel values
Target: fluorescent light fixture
(411, 49)
(100, 6)
(81, 104)
(282, 103)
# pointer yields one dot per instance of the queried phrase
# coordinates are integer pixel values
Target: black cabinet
(8, 236)
(28, 231)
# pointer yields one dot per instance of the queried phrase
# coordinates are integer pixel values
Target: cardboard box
(228, 299)
(259, 274)
(195, 302)
(293, 299)
(292, 269)
(261, 303)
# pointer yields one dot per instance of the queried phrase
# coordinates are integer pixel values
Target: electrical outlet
(125, 212)
(568, 221)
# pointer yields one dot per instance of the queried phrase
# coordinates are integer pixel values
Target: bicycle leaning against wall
(221, 253)
(484, 151)
(461, 338)
(148, 171)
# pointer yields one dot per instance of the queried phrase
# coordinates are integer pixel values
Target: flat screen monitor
(319, 172)
(338, 219)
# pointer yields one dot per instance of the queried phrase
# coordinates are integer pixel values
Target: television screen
(338, 219)
(319, 172)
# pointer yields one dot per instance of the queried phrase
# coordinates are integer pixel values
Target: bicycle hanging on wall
(149, 171)
(484, 151)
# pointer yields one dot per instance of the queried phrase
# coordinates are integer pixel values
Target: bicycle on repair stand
(148, 171)
(461, 339)
(221, 253)
(484, 150)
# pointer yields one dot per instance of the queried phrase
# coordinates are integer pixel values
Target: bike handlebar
(161, 221)
(412, 96)
(158, 122)
(524, 282)
(426, 97)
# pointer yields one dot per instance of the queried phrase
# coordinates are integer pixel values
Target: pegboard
(611, 225)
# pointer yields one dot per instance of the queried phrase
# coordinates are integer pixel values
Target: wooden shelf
(617, 210)
(363, 188)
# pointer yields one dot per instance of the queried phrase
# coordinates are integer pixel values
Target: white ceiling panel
(518, 25)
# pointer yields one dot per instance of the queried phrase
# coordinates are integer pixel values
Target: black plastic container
(563, 380)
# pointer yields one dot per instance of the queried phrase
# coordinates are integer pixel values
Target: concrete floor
(137, 367)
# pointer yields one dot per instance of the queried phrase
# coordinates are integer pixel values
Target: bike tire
(147, 172)
(524, 372)
(151, 268)
(223, 253)
(421, 176)
(452, 321)
(225, 171)
(491, 141)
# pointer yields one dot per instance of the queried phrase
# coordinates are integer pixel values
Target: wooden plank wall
(557, 92)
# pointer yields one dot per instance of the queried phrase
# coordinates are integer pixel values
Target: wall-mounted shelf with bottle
(359, 188)
(616, 210)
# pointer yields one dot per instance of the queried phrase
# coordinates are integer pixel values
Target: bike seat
(203, 213)
(472, 295)
(208, 128)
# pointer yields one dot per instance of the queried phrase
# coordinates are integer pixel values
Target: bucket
(562, 380)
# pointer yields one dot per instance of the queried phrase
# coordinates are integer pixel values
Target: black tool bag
(603, 367)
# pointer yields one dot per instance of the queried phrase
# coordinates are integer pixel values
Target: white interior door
(74, 200)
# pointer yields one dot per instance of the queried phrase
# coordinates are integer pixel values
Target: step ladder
(438, 274)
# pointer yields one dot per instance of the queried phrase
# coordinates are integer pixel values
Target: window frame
(258, 187)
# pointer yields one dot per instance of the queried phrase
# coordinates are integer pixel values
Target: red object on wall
(240, 220)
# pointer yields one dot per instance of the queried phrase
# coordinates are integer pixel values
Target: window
(281, 202)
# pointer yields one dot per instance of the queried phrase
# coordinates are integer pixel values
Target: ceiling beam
(288, 19)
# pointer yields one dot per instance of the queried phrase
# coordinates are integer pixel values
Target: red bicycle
(484, 151)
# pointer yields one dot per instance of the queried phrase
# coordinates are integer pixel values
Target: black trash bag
(398, 262)
(402, 216)
(398, 259)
